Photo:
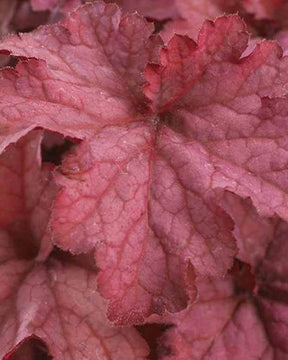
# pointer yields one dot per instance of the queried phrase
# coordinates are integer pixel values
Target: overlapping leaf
(56, 300)
(234, 321)
(252, 232)
(268, 9)
(193, 13)
(221, 102)
(92, 78)
(140, 189)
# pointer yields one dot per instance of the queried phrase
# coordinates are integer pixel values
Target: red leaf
(214, 327)
(27, 192)
(252, 232)
(233, 322)
(192, 14)
(282, 37)
(41, 5)
(51, 301)
(145, 205)
(220, 102)
(159, 10)
(106, 204)
(263, 9)
(92, 79)
(60, 5)
(56, 300)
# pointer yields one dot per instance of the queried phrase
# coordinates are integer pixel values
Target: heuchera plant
(144, 181)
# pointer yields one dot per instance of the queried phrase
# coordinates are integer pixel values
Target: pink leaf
(27, 192)
(214, 327)
(193, 13)
(51, 297)
(92, 78)
(272, 11)
(233, 321)
(252, 232)
(263, 9)
(139, 189)
(41, 5)
(59, 303)
(282, 38)
(111, 202)
(159, 10)
(224, 108)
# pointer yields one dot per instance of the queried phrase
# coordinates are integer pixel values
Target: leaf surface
(221, 103)
(46, 295)
(159, 10)
(139, 190)
(50, 301)
(252, 231)
(91, 76)
(111, 202)
(236, 319)
(27, 192)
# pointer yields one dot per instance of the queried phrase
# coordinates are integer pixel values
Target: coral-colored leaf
(59, 303)
(41, 5)
(215, 98)
(263, 9)
(140, 189)
(159, 10)
(213, 328)
(63, 6)
(26, 192)
(224, 310)
(282, 38)
(252, 232)
(192, 14)
(92, 78)
(144, 214)
(54, 299)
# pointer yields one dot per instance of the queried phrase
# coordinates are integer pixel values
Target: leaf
(106, 204)
(224, 310)
(220, 102)
(27, 192)
(263, 17)
(92, 78)
(55, 6)
(282, 38)
(7, 9)
(47, 295)
(159, 10)
(42, 5)
(6, 12)
(192, 14)
(50, 301)
(209, 112)
(263, 9)
(271, 12)
(252, 232)
(231, 305)
(221, 318)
